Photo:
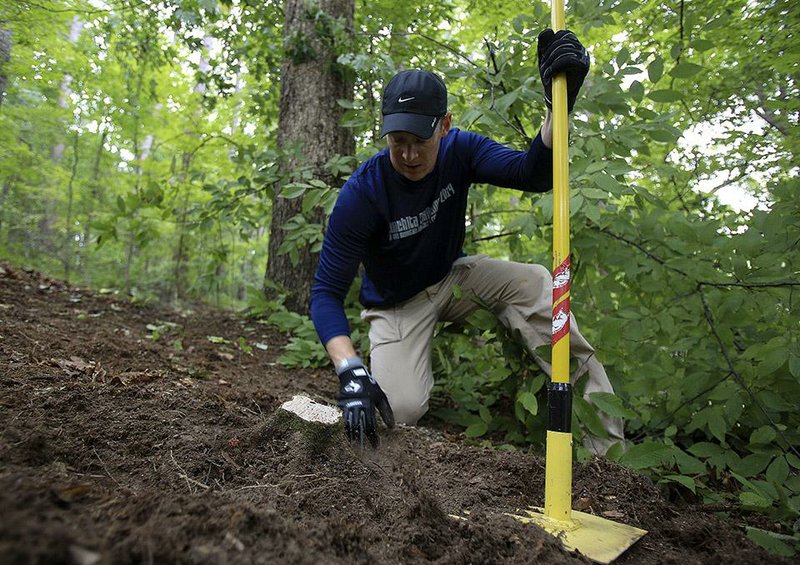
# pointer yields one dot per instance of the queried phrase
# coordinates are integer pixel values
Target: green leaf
(592, 212)
(794, 366)
(751, 465)
(477, 429)
(665, 95)
(594, 193)
(763, 435)
(636, 90)
(772, 542)
(685, 70)
(647, 455)
(587, 415)
(607, 182)
(616, 451)
(662, 135)
(701, 44)
(626, 6)
(778, 471)
(688, 482)
(502, 104)
(705, 450)
(689, 465)
(294, 189)
(717, 424)
(611, 404)
(753, 500)
(655, 70)
(773, 360)
(529, 402)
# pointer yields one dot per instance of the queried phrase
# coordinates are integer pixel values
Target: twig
(432, 40)
(641, 248)
(739, 379)
(488, 237)
(105, 468)
(774, 284)
(684, 404)
(700, 284)
(250, 487)
(518, 127)
(189, 481)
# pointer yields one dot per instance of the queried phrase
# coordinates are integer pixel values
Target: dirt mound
(134, 434)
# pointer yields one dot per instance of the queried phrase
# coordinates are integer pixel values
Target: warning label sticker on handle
(561, 284)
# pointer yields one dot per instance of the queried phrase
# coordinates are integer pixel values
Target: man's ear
(446, 121)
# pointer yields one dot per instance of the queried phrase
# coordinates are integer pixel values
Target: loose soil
(140, 434)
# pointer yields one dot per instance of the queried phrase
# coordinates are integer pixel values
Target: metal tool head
(597, 538)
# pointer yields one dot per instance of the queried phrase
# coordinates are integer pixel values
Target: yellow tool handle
(558, 463)
(560, 354)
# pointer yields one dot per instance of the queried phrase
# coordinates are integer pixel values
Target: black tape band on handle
(559, 399)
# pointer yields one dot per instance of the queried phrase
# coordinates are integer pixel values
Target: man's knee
(533, 284)
(540, 275)
(408, 410)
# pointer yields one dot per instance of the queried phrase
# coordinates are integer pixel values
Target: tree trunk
(7, 184)
(68, 253)
(309, 120)
(5, 57)
(179, 255)
(64, 101)
(93, 201)
(137, 170)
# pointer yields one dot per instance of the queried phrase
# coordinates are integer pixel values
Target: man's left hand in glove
(562, 52)
(359, 396)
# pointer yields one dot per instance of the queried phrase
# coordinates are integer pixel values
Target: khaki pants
(521, 297)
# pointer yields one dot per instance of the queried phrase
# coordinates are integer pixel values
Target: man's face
(412, 156)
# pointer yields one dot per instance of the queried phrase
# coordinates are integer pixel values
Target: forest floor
(128, 436)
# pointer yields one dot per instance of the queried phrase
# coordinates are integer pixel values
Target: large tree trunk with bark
(311, 83)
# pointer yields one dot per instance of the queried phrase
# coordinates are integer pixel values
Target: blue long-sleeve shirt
(408, 233)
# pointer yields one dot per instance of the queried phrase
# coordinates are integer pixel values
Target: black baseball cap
(413, 101)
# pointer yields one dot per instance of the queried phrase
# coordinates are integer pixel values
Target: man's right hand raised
(359, 396)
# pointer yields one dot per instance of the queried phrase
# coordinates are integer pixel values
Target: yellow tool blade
(598, 539)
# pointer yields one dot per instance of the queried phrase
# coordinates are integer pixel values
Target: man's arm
(340, 348)
(494, 163)
(349, 228)
(547, 130)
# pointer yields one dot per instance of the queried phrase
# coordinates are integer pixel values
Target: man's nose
(409, 154)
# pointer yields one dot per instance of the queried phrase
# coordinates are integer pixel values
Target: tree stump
(312, 429)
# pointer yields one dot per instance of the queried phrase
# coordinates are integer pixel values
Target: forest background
(187, 151)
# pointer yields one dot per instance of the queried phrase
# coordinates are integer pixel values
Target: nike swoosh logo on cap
(401, 99)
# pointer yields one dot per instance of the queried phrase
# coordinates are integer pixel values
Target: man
(402, 215)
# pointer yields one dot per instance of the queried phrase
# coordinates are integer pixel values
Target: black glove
(359, 395)
(562, 52)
